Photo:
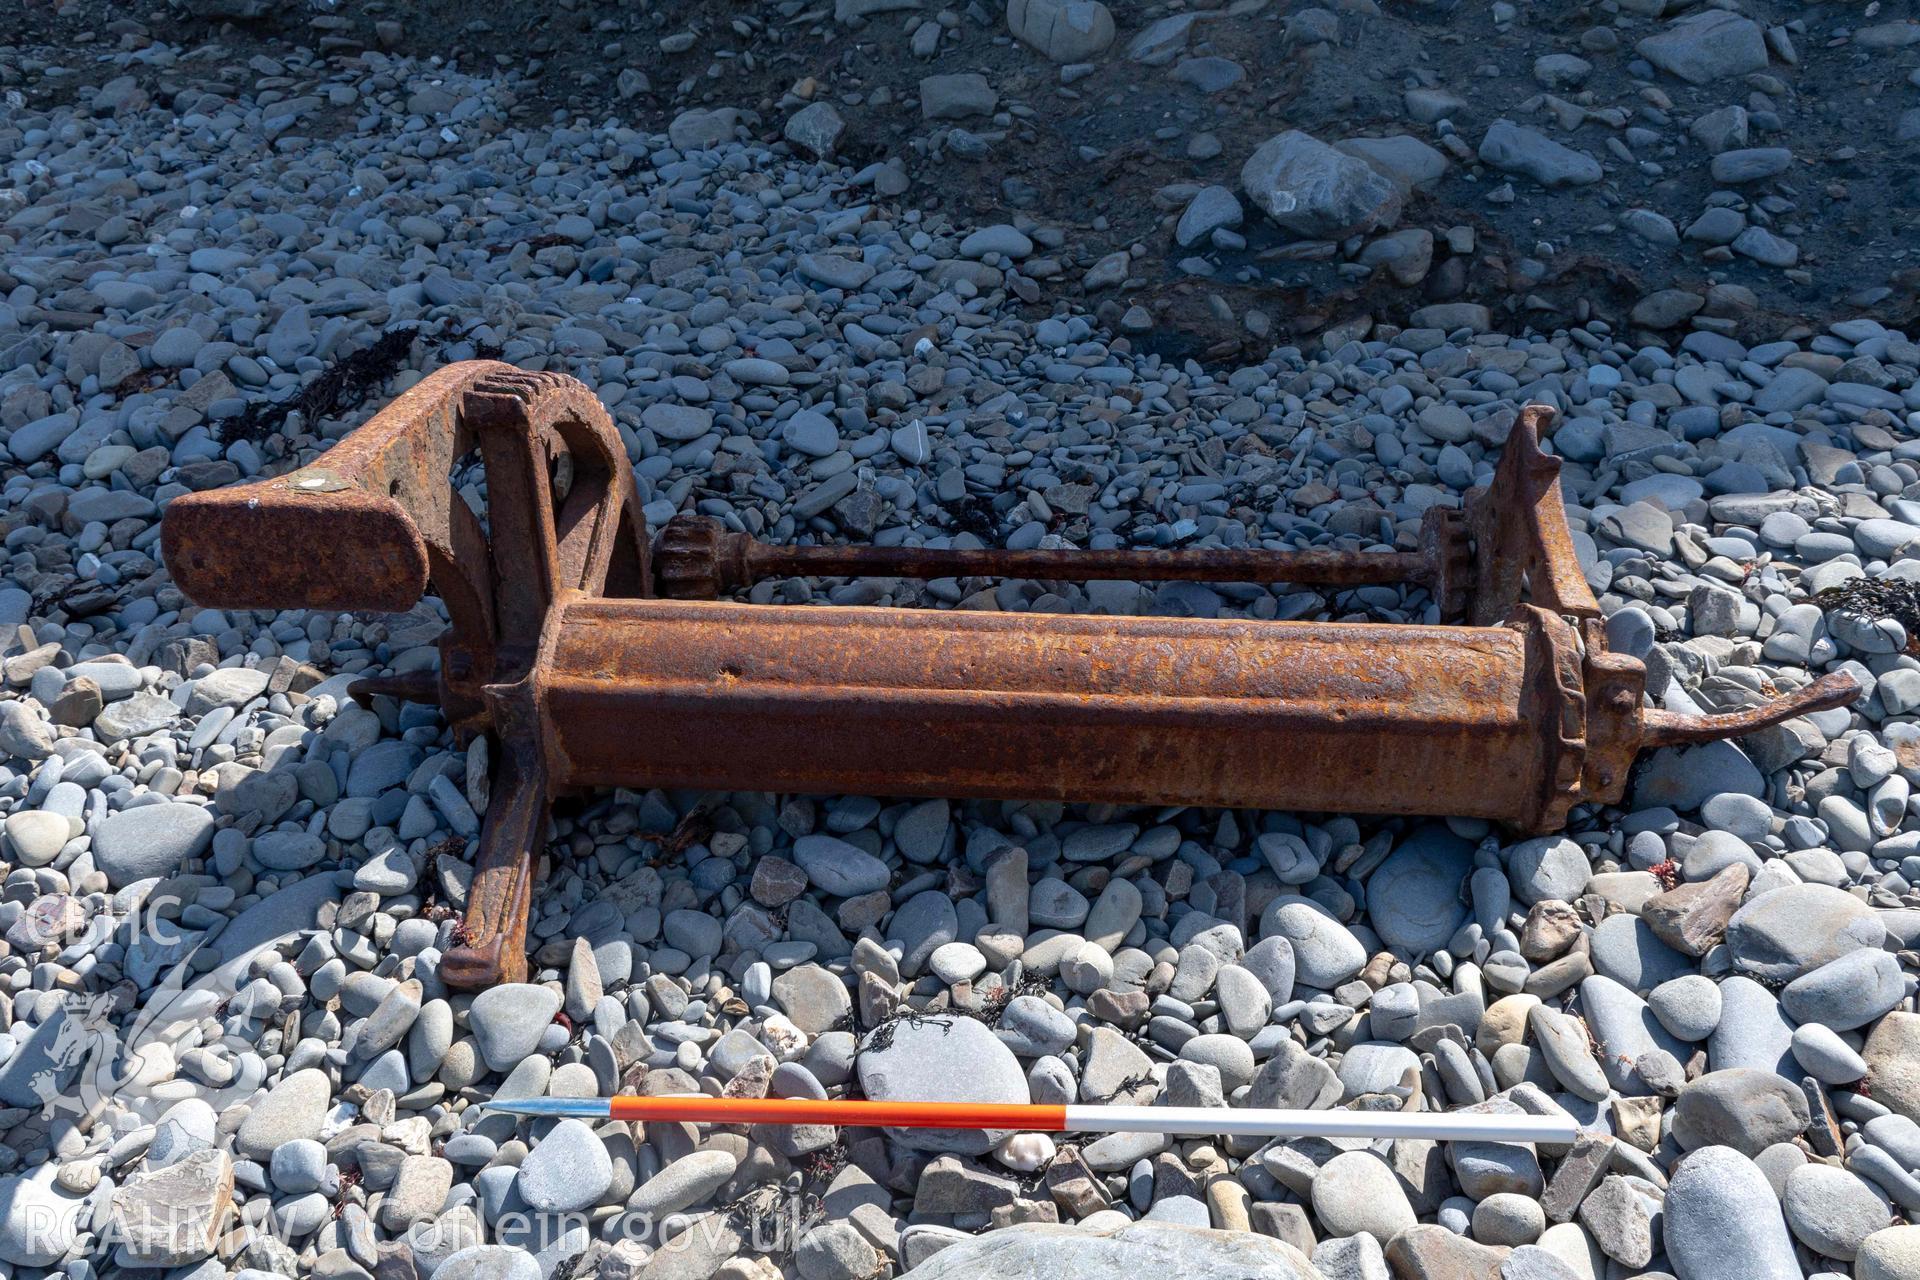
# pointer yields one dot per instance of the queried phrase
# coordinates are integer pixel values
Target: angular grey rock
(1707, 46)
(687, 1182)
(835, 1251)
(949, 1184)
(1532, 1262)
(507, 1021)
(1430, 1252)
(294, 1107)
(1033, 1028)
(1692, 918)
(815, 129)
(956, 97)
(1210, 209)
(1063, 30)
(1742, 1108)
(838, 867)
(1114, 1070)
(813, 997)
(135, 717)
(1892, 1053)
(699, 129)
(1620, 1219)
(1513, 148)
(1294, 1079)
(1354, 1258)
(226, 687)
(941, 1059)
(1407, 162)
(24, 732)
(419, 1191)
(1140, 1248)
(567, 1170)
(1375, 1067)
(173, 1217)
(488, 1262)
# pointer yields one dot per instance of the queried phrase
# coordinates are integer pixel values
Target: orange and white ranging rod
(1270, 1122)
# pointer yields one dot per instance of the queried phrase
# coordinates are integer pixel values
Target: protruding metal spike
(587, 1107)
(408, 686)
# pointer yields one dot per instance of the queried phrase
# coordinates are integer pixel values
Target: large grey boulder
(1316, 192)
(1064, 30)
(1723, 1221)
(1513, 148)
(1707, 46)
(1055, 1251)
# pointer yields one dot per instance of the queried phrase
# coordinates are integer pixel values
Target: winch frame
(593, 656)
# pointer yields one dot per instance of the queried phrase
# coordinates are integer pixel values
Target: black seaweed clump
(1877, 598)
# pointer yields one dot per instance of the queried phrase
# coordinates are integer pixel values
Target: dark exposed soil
(1089, 158)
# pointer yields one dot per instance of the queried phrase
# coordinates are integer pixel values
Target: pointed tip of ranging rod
(590, 1107)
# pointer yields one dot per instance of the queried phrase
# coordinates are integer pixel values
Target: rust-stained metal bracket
(597, 660)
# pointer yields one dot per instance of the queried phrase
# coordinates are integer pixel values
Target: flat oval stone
(1723, 1221)
(1413, 898)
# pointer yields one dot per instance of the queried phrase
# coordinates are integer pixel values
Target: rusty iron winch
(596, 658)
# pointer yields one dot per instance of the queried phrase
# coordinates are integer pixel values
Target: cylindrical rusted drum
(1281, 715)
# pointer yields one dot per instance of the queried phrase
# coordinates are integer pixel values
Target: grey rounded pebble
(1325, 952)
(1688, 1006)
(1833, 1211)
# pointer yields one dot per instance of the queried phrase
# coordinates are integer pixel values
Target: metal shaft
(696, 559)
(1305, 568)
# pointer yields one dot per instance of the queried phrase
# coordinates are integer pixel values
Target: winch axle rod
(695, 560)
